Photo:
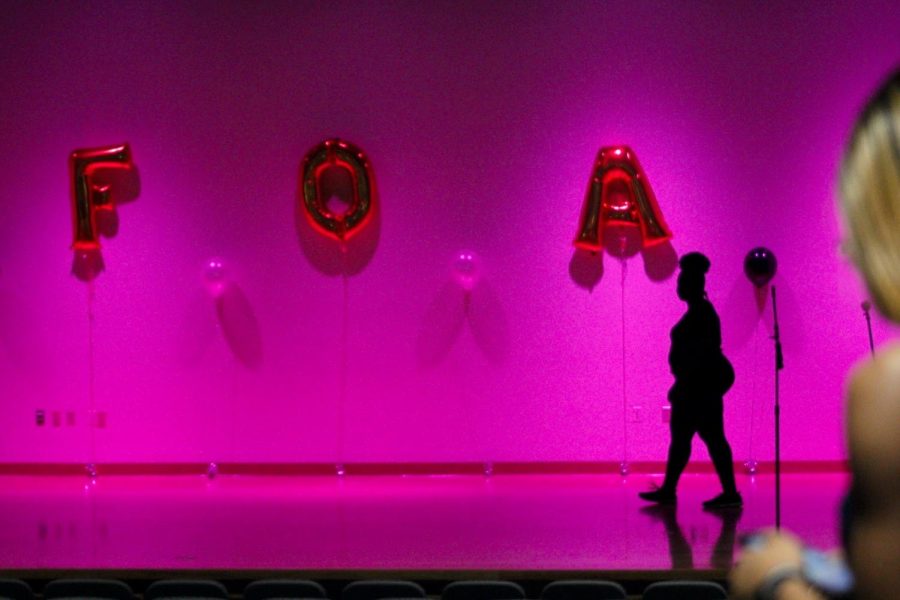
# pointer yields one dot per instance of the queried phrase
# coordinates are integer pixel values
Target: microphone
(866, 306)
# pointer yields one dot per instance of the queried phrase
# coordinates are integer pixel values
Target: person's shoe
(724, 500)
(659, 496)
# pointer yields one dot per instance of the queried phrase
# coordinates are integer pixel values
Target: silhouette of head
(692, 278)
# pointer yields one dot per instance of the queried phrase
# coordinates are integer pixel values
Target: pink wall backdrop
(481, 121)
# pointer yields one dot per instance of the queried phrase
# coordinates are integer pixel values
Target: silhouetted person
(702, 376)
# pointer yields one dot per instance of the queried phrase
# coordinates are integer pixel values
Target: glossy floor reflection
(506, 522)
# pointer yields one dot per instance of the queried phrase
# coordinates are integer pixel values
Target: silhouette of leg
(712, 432)
(682, 430)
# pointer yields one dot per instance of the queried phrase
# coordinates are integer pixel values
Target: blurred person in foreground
(777, 566)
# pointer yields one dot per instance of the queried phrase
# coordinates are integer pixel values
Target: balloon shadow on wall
(747, 306)
(749, 302)
(450, 312)
(623, 243)
(240, 326)
(744, 308)
(87, 264)
(586, 268)
(791, 319)
(199, 330)
(660, 261)
(327, 254)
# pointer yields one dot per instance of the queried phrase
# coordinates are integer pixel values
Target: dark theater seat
(483, 590)
(685, 590)
(15, 589)
(583, 589)
(106, 589)
(185, 588)
(267, 589)
(376, 589)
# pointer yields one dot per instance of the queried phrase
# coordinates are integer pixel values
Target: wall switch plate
(636, 414)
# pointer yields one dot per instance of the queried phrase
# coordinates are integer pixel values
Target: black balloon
(760, 266)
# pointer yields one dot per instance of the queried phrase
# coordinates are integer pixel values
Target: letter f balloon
(90, 192)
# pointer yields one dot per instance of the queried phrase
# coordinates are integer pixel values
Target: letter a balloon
(619, 193)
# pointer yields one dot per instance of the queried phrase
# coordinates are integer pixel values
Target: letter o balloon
(339, 225)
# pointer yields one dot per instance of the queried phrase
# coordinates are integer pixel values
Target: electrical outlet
(637, 415)
(70, 418)
(40, 417)
(56, 418)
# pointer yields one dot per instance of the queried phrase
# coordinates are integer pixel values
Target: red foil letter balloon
(91, 193)
(316, 182)
(619, 194)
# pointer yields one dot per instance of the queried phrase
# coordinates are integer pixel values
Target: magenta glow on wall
(481, 122)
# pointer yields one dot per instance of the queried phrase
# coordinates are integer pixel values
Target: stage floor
(413, 526)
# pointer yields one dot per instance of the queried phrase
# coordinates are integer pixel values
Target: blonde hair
(870, 196)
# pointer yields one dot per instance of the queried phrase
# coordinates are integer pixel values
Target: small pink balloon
(215, 276)
(466, 270)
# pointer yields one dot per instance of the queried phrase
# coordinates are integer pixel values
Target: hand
(775, 550)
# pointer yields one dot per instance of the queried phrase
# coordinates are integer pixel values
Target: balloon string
(624, 378)
(753, 395)
(91, 377)
(344, 360)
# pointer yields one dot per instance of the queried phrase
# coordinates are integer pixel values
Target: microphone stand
(779, 365)
(866, 306)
